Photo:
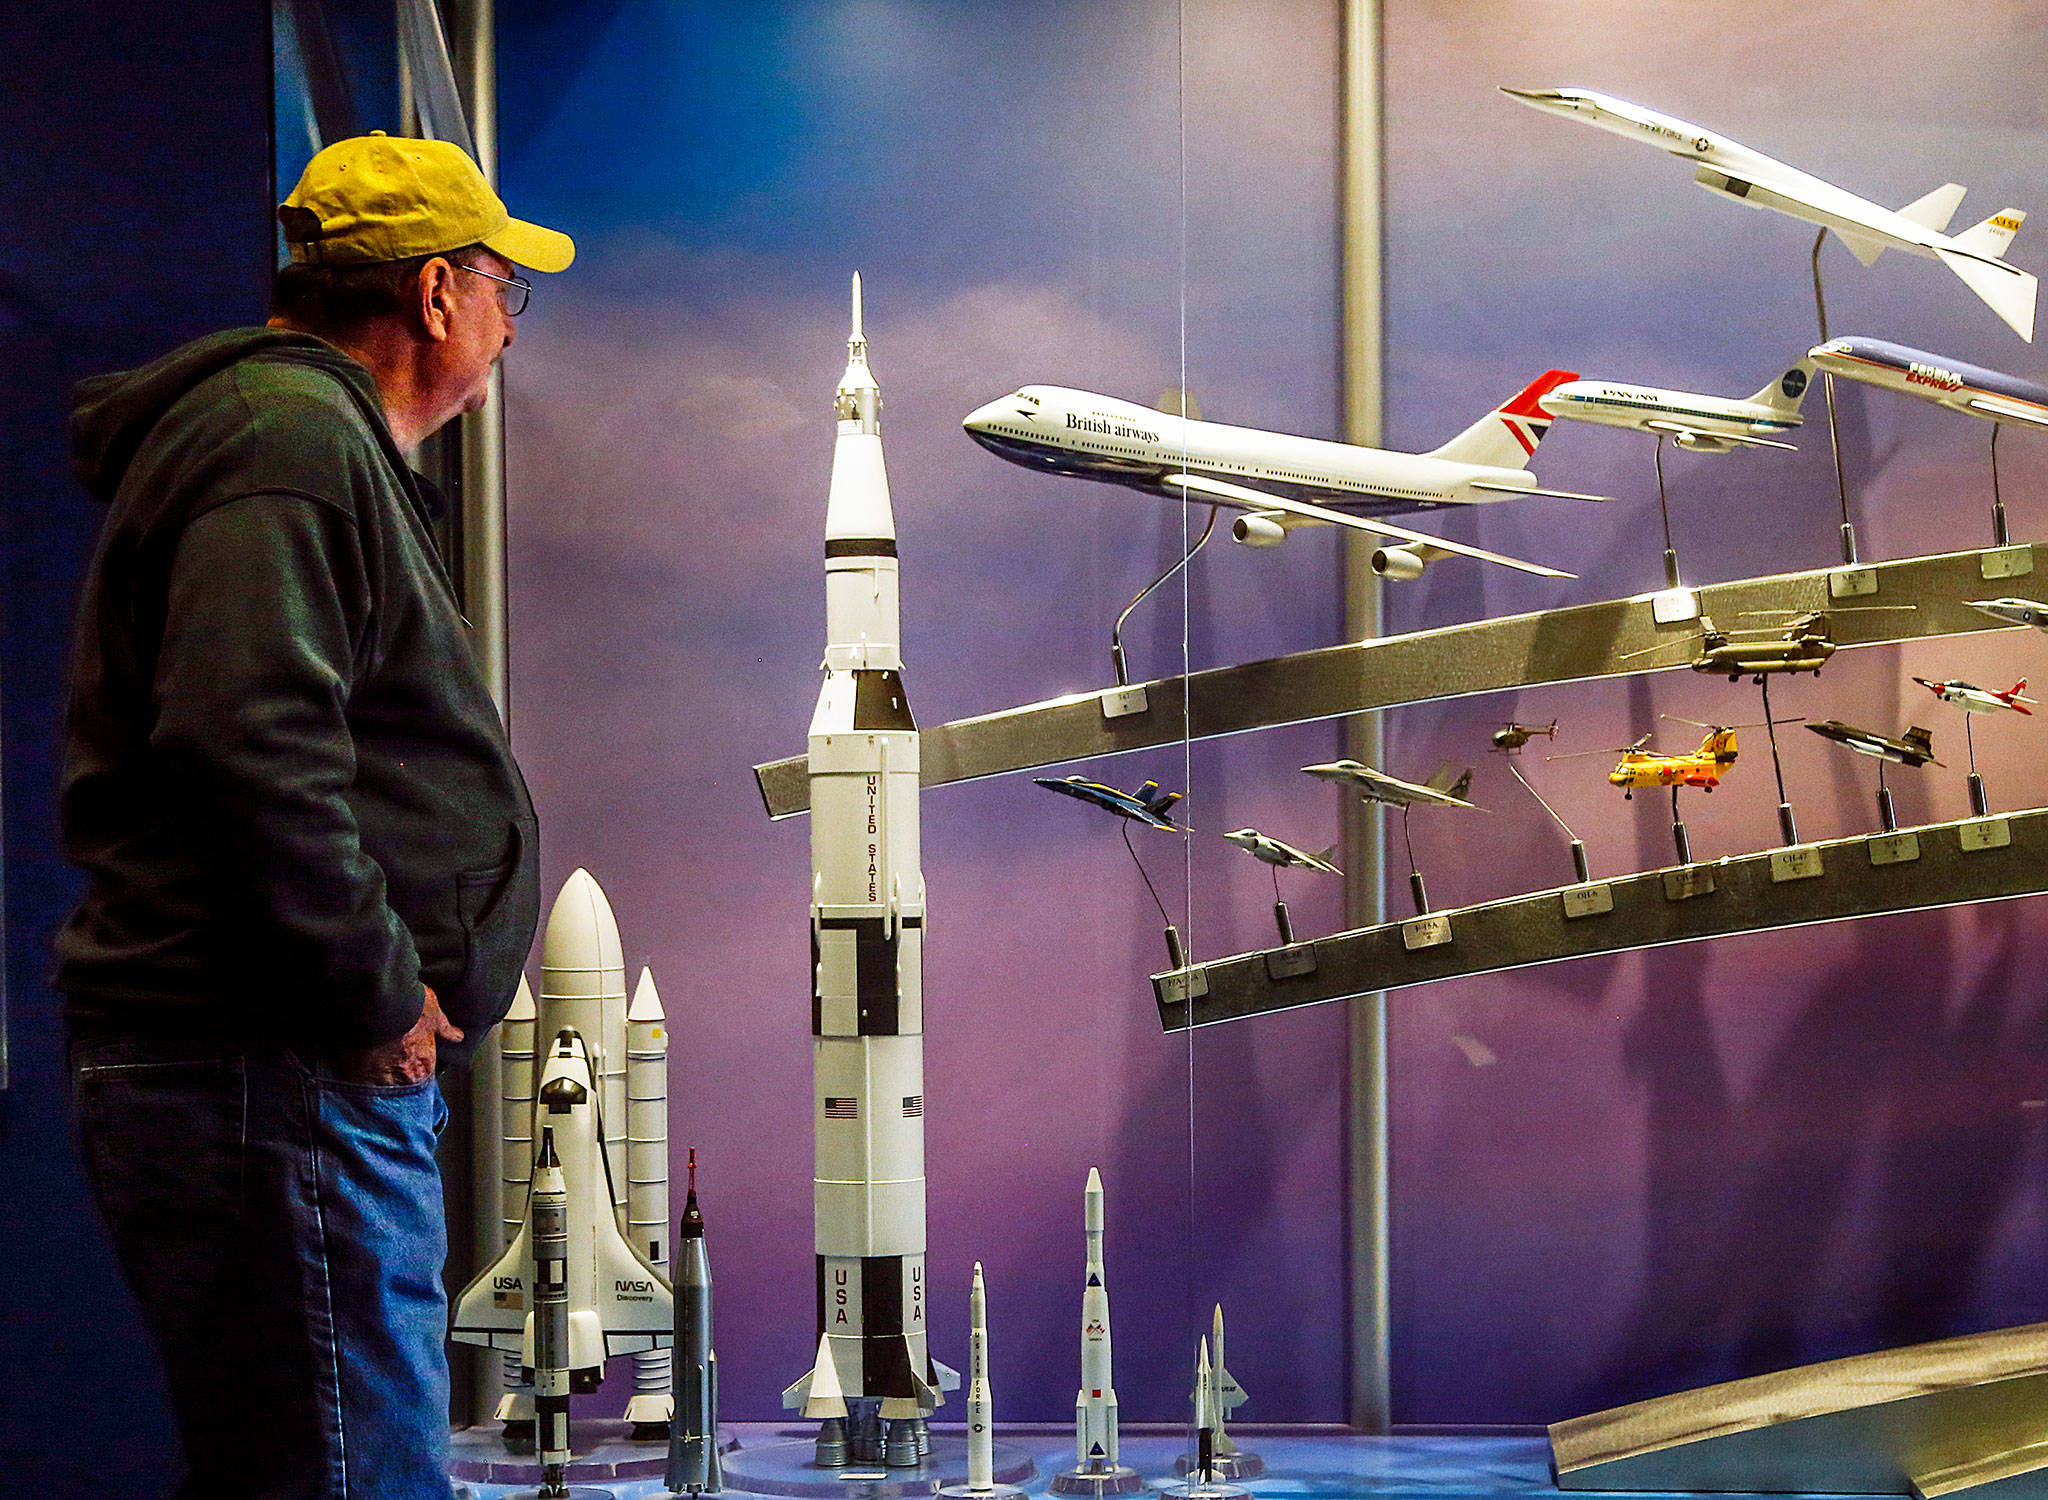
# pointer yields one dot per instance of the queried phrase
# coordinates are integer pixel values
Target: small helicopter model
(1976, 700)
(1148, 804)
(1512, 736)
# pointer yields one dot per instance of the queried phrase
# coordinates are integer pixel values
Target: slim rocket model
(1095, 1403)
(693, 1466)
(1216, 1395)
(981, 1418)
(1096, 1470)
(874, 1382)
(600, 1096)
(550, 1358)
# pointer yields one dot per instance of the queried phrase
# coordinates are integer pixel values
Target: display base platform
(604, 1453)
(1091, 1485)
(1237, 1466)
(788, 1467)
(1318, 1463)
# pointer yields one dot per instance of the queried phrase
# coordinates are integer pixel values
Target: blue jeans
(283, 1232)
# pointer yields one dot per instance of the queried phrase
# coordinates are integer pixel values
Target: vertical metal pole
(1361, 234)
(473, 38)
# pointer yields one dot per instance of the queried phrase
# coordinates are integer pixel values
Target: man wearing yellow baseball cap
(311, 857)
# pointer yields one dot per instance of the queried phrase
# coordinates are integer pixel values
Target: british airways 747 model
(1279, 481)
(1868, 229)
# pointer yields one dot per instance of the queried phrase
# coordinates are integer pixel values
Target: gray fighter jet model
(1913, 748)
(1279, 855)
(1446, 788)
(2013, 611)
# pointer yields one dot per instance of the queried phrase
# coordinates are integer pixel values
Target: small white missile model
(2013, 611)
(1277, 480)
(1223, 1395)
(601, 1094)
(1700, 424)
(1097, 1470)
(1970, 389)
(874, 1382)
(981, 1420)
(1868, 229)
(1206, 1478)
(693, 1464)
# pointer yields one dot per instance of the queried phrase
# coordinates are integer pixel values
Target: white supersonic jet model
(1868, 229)
(1702, 424)
(1277, 480)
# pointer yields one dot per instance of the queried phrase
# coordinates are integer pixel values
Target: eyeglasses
(517, 290)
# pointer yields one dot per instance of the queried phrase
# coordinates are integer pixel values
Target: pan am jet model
(1969, 389)
(1279, 481)
(1271, 851)
(1868, 229)
(1446, 788)
(1703, 424)
(1975, 700)
(1913, 748)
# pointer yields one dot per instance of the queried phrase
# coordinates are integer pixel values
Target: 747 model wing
(1414, 544)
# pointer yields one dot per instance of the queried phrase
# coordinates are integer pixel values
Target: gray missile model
(981, 1420)
(549, 1372)
(693, 1467)
(2013, 611)
(874, 1381)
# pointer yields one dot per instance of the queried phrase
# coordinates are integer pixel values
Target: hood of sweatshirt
(112, 414)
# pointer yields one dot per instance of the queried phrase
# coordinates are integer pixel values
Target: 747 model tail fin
(1506, 437)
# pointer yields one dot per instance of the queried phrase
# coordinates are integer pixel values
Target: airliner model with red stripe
(1278, 481)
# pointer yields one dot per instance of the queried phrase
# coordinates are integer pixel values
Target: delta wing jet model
(1913, 748)
(1701, 424)
(1868, 229)
(1279, 481)
(1148, 804)
(1975, 700)
(2013, 611)
(1271, 851)
(1446, 788)
(1969, 389)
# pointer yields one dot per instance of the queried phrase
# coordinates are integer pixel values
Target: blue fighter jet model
(1147, 805)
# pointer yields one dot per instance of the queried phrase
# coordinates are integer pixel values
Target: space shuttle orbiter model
(587, 1073)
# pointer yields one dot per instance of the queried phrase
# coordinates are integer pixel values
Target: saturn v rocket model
(587, 1072)
(874, 1381)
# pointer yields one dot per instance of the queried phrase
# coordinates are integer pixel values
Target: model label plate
(2007, 562)
(1894, 848)
(1291, 963)
(1852, 583)
(1588, 900)
(1669, 606)
(1183, 985)
(1425, 932)
(1122, 703)
(1795, 864)
(1980, 834)
(1693, 880)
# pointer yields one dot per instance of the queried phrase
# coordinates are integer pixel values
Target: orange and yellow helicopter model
(1643, 767)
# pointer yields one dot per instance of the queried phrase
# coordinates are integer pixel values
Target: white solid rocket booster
(1095, 1405)
(867, 933)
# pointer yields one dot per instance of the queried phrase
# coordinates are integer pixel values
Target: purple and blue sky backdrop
(1612, 1178)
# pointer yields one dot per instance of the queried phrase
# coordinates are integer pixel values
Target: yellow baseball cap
(377, 197)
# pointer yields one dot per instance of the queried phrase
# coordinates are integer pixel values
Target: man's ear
(435, 293)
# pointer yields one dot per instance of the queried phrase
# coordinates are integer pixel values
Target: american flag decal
(841, 1109)
(913, 1106)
